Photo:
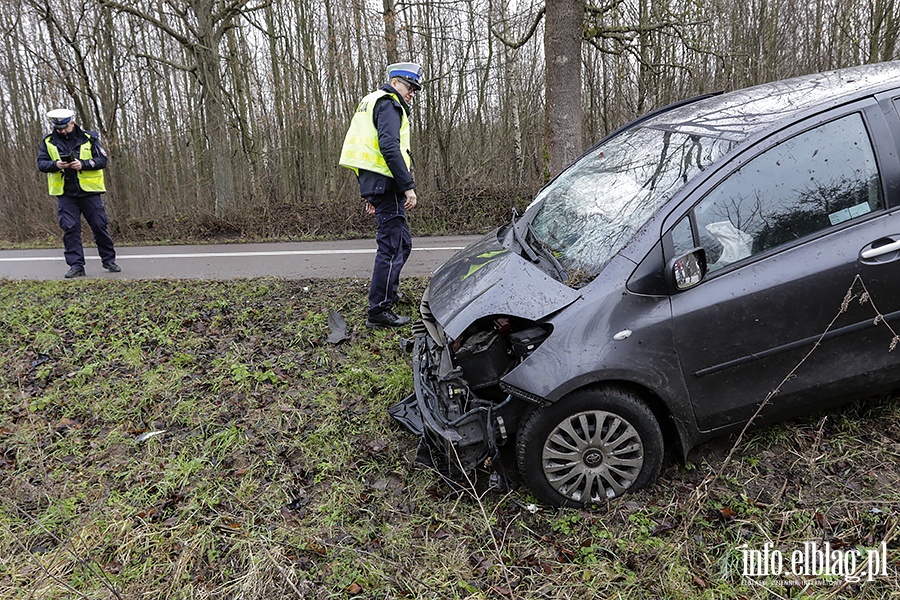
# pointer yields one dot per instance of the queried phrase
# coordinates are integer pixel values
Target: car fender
(610, 335)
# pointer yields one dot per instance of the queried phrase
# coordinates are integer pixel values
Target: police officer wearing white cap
(74, 160)
(377, 149)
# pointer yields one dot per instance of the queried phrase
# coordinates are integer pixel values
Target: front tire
(593, 445)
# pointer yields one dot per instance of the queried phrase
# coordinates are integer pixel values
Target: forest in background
(224, 118)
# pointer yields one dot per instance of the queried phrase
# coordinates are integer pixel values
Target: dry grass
(273, 470)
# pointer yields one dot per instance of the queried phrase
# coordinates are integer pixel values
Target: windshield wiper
(529, 251)
(547, 253)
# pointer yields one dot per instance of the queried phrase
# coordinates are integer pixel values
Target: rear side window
(816, 180)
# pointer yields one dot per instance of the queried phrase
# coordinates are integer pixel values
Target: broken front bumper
(459, 431)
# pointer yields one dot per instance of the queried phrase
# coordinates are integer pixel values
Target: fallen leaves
(376, 445)
(228, 527)
(65, 424)
(316, 460)
(354, 589)
(481, 564)
(725, 514)
(662, 527)
(433, 531)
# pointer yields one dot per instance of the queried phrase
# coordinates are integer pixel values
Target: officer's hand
(61, 165)
(75, 164)
(410, 199)
(370, 208)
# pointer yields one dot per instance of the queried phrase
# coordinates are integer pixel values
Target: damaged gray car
(657, 291)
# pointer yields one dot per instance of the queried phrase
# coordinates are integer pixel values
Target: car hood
(488, 278)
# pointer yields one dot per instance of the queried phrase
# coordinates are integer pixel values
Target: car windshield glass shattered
(592, 209)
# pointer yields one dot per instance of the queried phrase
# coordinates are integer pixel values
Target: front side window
(816, 180)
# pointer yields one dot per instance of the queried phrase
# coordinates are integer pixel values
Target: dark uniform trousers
(394, 245)
(69, 210)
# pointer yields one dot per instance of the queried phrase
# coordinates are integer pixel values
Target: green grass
(203, 440)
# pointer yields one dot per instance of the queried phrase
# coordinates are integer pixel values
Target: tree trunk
(562, 47)
(390, 31)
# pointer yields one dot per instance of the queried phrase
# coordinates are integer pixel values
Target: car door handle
(880, 250)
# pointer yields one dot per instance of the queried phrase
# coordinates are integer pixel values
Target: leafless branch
(524, 40)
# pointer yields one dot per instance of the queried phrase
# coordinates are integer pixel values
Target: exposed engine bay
(464, 413)
(489, 349)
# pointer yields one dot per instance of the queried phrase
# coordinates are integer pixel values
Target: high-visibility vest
(90, 181)
(361, 150)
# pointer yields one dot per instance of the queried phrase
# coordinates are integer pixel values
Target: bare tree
(227, 116)
(199, 27)
(390, 31)
(885, 30)
(617, 27)
(562, 48)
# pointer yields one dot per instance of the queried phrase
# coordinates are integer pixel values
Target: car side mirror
(688, 269)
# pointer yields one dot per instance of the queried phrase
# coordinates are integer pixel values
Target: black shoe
(75, 271)
(386, 318)
(112, 267)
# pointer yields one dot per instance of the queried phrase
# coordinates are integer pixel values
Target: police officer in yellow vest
(74, 160)
(377, 149)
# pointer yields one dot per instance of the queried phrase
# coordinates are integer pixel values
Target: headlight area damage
(459, 409)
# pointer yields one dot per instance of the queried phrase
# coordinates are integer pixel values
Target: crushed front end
(465, 415)
(483, 314)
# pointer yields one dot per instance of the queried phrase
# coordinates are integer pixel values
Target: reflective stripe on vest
(361, 149)
(90, 181)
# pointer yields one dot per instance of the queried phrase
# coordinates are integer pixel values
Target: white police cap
(60, 117)
(411, 73)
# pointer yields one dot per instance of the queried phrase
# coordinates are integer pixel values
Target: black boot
(386, 318)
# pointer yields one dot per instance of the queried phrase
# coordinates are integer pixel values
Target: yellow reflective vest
(90, 181)
(361, 150)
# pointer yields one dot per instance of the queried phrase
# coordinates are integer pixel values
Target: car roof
(739, 114)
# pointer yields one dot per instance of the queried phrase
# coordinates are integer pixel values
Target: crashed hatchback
(658, 291)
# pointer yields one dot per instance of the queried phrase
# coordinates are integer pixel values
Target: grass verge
(204, 440)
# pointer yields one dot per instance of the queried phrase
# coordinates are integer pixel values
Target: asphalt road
(294, 260)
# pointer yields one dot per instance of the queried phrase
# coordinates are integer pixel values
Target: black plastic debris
(338, 328)
(406, 412)
(41, 359)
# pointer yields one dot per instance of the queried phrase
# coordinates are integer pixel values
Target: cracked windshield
(598, 204)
